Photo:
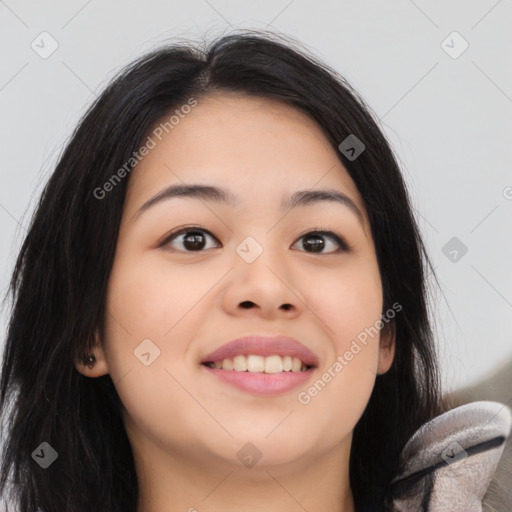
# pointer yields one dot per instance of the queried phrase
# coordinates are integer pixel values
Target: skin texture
(186, 426)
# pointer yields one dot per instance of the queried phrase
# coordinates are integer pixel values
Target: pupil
(195, 238)
(318, 242)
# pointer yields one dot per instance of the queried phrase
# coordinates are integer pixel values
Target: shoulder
(448, 464)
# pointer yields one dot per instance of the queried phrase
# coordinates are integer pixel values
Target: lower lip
(262, 383)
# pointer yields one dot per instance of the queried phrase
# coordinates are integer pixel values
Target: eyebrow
(222, 195)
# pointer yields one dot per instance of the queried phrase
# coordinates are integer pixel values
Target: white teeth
(274, 364)
(259, 364)
(240, 363)
(255, 364)
(227, 364)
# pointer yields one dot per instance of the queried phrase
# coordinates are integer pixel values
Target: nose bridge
(262, 245)
(259, 231)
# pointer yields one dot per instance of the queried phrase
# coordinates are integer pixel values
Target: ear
(387, 347)
(100, 366)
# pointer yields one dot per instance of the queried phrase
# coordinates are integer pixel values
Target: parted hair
(58, 285)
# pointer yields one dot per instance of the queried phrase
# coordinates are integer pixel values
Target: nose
(264, 287)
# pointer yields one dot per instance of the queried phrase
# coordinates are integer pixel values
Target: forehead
(259, 148)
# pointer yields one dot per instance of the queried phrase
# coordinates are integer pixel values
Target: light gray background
(449, 120)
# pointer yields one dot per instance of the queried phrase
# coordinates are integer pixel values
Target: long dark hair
(59, 282)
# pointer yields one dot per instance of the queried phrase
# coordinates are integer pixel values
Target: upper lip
(263, 346)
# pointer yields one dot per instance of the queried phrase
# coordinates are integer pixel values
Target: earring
(89, 360)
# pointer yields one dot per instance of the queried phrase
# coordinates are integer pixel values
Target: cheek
(349, 303)
(149, 297)
(147, 300)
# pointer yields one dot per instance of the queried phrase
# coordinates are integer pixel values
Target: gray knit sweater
(450, 461)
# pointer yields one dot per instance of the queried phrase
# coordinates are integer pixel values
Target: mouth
(261, 366)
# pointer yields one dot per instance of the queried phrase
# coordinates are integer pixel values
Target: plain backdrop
(444, 100)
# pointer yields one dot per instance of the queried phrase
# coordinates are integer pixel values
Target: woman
(221, 300)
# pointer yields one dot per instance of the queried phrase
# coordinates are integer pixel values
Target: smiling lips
(262, 365)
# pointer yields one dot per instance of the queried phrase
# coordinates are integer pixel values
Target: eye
(315, 240)
(193, 240)
(192, 237)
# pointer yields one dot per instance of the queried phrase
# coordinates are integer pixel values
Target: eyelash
(344, 246)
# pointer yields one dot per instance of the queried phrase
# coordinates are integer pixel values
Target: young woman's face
(249, 269)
